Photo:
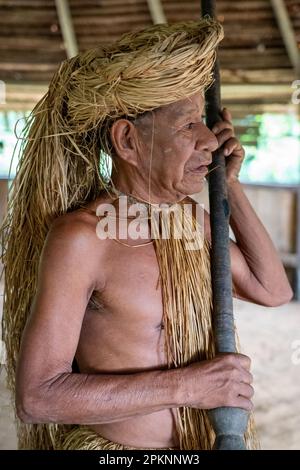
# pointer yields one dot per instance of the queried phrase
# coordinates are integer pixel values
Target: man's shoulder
(79, 225)
(76, 231)
(72, 244)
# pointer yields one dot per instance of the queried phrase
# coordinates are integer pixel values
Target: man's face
(176, 147)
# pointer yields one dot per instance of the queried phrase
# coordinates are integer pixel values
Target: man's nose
(207, 140)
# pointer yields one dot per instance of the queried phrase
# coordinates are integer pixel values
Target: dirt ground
(270, 336)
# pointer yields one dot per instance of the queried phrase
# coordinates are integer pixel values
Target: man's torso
(122, 332)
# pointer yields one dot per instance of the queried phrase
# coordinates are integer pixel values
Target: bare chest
(132, 291)
(126, 331)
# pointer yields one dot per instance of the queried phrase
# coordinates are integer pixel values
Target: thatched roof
(256, 68)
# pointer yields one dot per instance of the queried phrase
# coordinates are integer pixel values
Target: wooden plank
(271, 75)
(279, 222)
(41, 4)
(230, 78)
(252, 52)
(257, 92)
(240, 110)
(51, 43)
(22, 16)
(191, 7)
(230, 5)
(18, 66)
(108, 2)
(49, 31)
(287, 32)
(110, 10)
(32, 56)
(256, 61)
(127, 21)
(24, 92)
(22, 77)
(239, 96)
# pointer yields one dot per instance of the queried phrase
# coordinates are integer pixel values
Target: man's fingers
(246, 376)
(224, 136)
(242, 402)
(222, 125)
(232, 145)
(227, 114)
(245, 361)
(245, 390)
(225, 123)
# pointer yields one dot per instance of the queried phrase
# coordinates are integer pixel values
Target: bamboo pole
(229, 423)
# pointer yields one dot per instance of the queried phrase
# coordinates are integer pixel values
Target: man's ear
(124, 138)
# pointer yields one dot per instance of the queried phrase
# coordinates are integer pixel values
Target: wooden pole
(229, 423)
(156, 11)
(287, 33)
(67, 28)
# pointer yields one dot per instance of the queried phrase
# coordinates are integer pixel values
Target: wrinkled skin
(123, 390)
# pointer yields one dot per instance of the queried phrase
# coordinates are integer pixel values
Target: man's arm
(257, 272)
(48, 391)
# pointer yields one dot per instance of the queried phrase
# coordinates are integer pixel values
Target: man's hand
(222, 381)
(233, 149)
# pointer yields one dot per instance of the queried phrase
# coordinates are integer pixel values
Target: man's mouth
(202, 169)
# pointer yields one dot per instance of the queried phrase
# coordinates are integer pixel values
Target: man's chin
(193, 187)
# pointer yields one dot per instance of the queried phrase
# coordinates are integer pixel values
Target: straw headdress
(64, 143)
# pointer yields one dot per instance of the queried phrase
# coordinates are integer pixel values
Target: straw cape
(63, 166)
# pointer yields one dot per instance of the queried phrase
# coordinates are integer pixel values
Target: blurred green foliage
(272, 145)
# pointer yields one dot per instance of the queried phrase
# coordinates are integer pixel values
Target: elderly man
(106, 346)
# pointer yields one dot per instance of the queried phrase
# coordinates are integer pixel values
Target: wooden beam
(67, 28)
(287, 32)
(242, 109)
(22, 97)
(156, 11)
(272, 75)
(26, 95)
(257, 93)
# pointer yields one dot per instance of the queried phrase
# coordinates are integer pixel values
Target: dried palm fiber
(83, 438)
(186, 290)
(63, 147)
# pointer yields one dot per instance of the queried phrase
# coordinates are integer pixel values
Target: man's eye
(190, 125)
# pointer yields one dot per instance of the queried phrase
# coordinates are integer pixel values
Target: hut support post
(229, 423)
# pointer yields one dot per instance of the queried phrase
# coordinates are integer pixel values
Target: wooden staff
(229, 423)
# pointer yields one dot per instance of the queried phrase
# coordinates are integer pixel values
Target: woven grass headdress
(60, 164)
